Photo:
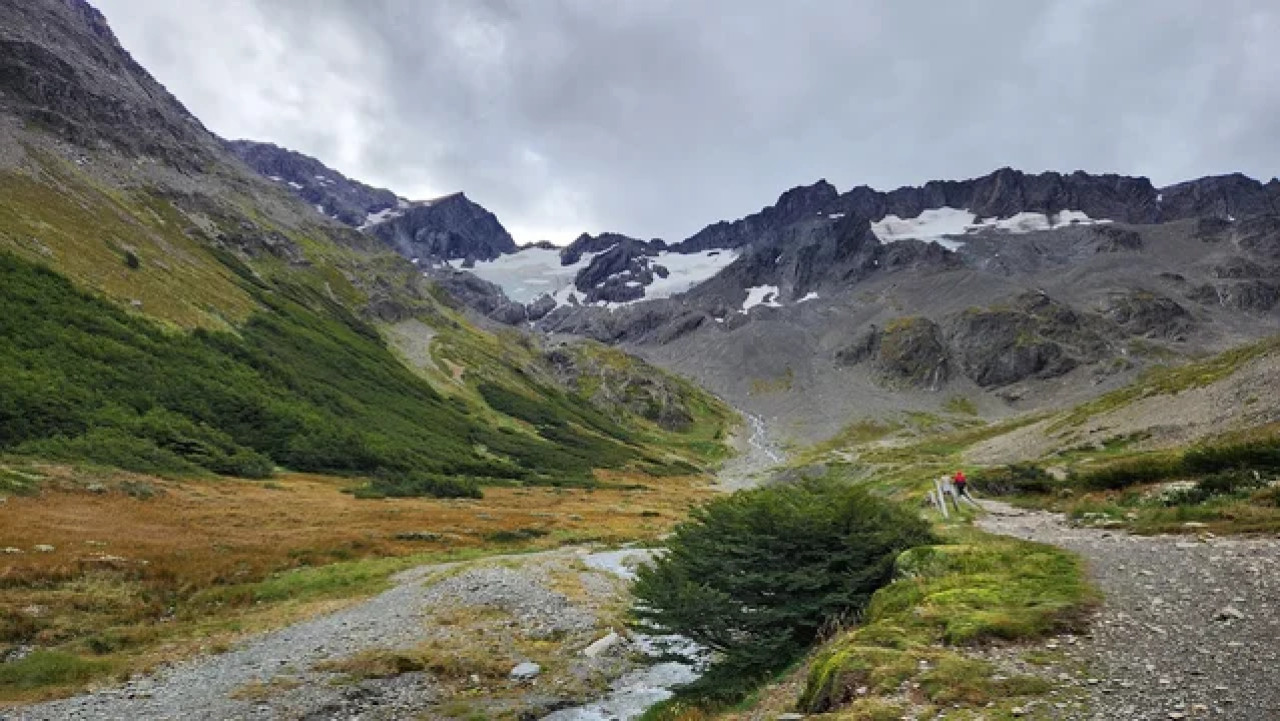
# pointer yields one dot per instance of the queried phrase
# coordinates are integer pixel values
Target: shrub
(1262, 454)
(394, 484)
(1131, 472)
(755, 576)
(1227, 483)
(1010, 480)
(47, 668)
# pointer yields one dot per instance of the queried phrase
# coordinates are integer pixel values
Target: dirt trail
(1189, 628)
(280, 669)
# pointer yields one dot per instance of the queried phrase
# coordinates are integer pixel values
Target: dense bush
(755, 576)
(1010, 480)
(1128, 473)
(1261, 454)
(401, 484)
(303, 384)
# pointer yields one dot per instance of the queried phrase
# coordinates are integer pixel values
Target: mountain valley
(277, 443)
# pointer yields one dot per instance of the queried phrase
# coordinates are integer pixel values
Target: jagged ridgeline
(165, 309)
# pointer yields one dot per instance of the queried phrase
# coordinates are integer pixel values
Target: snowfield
(531, 273)
(947, 226)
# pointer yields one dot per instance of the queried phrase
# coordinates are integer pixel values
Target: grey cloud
(655, 117)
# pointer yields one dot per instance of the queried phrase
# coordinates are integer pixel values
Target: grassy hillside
(171, 333)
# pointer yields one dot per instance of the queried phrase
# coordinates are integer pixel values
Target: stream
(634, 692)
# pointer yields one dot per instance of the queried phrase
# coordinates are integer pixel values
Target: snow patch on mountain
(766, 295)
(531, 273)
(391, 213)
(948, 226)
(685, 270)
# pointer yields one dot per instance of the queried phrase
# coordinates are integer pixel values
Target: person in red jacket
(962, 487)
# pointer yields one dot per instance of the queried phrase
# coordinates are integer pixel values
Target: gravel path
(206, 688)
(1189, 628)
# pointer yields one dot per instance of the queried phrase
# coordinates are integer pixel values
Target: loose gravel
(281, 665)
(1189, 628)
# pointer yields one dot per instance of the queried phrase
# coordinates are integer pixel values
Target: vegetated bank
(823, 595)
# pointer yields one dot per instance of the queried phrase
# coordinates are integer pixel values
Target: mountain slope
(332, 193)
(166, 309)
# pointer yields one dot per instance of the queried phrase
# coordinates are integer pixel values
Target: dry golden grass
(259, 691)
(137, 581)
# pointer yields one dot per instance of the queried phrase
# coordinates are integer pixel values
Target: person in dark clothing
(962, 487)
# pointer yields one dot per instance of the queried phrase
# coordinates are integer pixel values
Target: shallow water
(631, 694)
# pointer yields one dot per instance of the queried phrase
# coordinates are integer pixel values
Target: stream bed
(634, 692)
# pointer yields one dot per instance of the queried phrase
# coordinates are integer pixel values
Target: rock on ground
(1187, 627)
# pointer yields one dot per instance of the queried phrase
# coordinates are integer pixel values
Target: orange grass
(137, 581)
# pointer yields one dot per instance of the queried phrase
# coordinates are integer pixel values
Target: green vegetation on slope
(305, 384)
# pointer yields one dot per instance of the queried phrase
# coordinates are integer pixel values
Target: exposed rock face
(586, 243)
(793, 205)
(615, 385)
(1034, 338)
(1221, 196)
(620, 273)
(450, 228)
(1255, 296)
(912, 352)
(62, 69)
(909, 352)
(1148, 314)
(479, 295)
(334, 194)
(1260, 236)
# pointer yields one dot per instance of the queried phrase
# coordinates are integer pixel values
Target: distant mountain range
(1024, 288)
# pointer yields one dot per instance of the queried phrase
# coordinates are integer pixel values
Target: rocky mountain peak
(329, 191)
(62, 69)
(451, 227)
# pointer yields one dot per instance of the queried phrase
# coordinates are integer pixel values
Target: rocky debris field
(1188, 628)
(519, 635)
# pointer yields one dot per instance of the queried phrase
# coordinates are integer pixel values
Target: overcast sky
(656, 117)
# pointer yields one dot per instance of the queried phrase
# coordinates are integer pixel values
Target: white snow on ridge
(808, 296)
(686, 270)
(528, 274)
(295, 186)
(531, 273)
(766, 295)
(947, 226)
(381, 216)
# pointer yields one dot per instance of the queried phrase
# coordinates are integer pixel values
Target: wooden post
(942, 498)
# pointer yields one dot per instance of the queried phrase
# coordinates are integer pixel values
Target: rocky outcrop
(615, 383)
(1260, 237)
(449, 228)
(621, 273)
(1148, 314)
(1032, 337)
(908, 352)
(62, 70)
(332, 193)
(479, 295)
(793, 205)
(587, 243)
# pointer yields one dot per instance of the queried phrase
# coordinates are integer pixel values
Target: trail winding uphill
(1189, 628)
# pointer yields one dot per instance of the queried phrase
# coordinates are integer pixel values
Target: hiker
(961, 484)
